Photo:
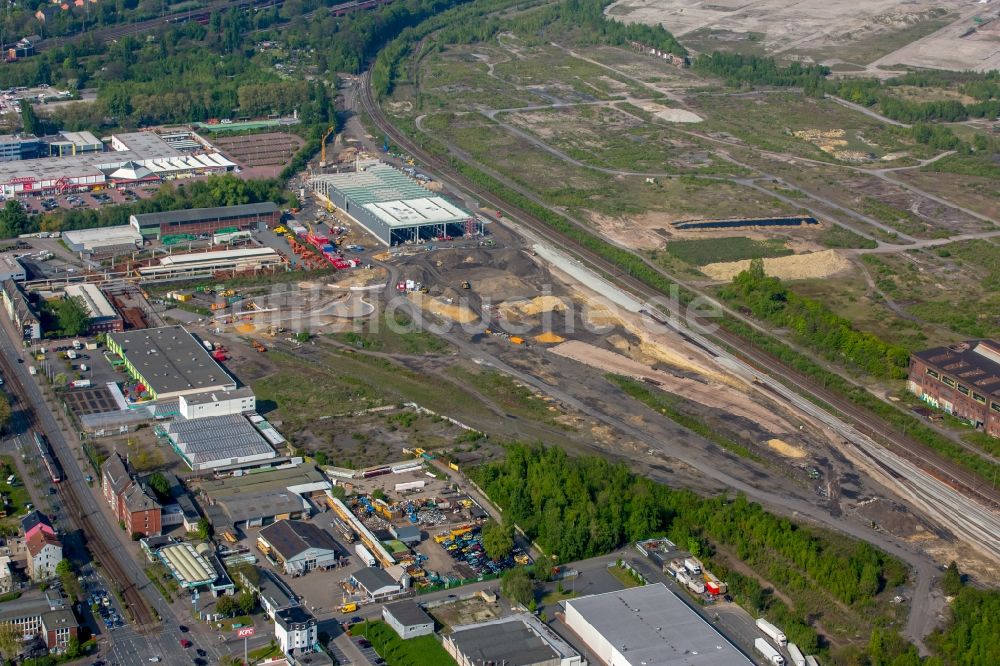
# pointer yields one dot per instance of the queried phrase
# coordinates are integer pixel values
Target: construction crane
(322, 150)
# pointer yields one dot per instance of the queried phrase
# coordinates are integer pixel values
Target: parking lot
(34, 204)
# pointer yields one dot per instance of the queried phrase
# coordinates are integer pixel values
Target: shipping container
(692, 565)
(767, 650)
(796, 654)
(713, 587)
(696, 586)
(776, 634)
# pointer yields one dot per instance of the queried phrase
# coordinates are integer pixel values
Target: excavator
(322, 150)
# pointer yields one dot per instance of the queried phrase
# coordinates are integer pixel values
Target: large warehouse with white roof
(133, 158)
(648, 625)
(394, 208)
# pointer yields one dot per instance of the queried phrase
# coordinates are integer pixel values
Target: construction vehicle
(466, 285)
(280, 230)
(322, 150)
(259, 347)
(349, 607)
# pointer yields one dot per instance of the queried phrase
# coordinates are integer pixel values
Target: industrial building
(261, 498)
(392, 207)
(243, 260)
(517, 639)
(648, 624)
(14, 147)
(218, 441)
(80, 164)
(189, 567)
(103, 242)
(11, 267)
(198, 221)
(408, 619)
(217, 403)
(375, 584)
(298, 547)
(103, 318)
(169, 362)
(962, 380)
(20, 310)
(272, 592)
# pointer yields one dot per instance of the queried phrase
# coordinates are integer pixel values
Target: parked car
(185, 643)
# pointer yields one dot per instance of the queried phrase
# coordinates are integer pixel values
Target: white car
(155, 659)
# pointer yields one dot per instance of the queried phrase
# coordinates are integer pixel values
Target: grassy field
(734, 248)
(839, 237)
(419, 651)
(392, 339)
(508, 393)
(770, 121)
(624, 576)
(17, 495)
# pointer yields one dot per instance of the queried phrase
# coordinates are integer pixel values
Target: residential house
(296, 630)
(44, 554)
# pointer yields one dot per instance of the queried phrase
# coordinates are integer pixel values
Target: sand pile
(549, 338)
(457, 313)
(786, 449)
(794, 267)
(533, 306)
(246, 329)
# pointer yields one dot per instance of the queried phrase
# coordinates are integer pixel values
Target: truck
(674, 566)
(796, 654)
(349, 607)
(767, 650)
(32, 370)
(777, 635)
(692, 565)
(80, 383)
(208, 345)
(77, 345)
(365, 555)
(72, 354)
(714, 587)
(696, 586)
(683, 578)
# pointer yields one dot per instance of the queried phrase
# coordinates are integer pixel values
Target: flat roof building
(243, 260)
(169, 362)
(262, 497)
(103, 241)
(218, 441)
(648, 625)
(394, 208)
(197, 221)
(517, 639)
(11, 267)
(103, 316)
(962, 380)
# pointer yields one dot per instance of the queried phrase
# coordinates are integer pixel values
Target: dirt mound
(794, 267)
(457, 313)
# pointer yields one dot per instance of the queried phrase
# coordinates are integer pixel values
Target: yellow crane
(322, 150)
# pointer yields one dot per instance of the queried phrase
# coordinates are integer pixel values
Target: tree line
(576, 508)
(813, 324)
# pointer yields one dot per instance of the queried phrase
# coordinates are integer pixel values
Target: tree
(73, 648)
(245, 602)
(10, 641)
(321, 458)
(64, 567)
(4, 411)
(72, 315)
(303, 335)
(517, 585)
(13, 220)
(29, 119)
(160, 485)
(951, 582)
(227, 606)
(498, 539)
(379, 494)
(204, 529)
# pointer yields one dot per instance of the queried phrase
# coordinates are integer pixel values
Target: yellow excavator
(322, 150)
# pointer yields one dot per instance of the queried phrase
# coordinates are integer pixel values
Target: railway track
(87, 522)
(908, 453)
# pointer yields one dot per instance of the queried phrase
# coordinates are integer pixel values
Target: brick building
(130, 500)
(962, 380)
